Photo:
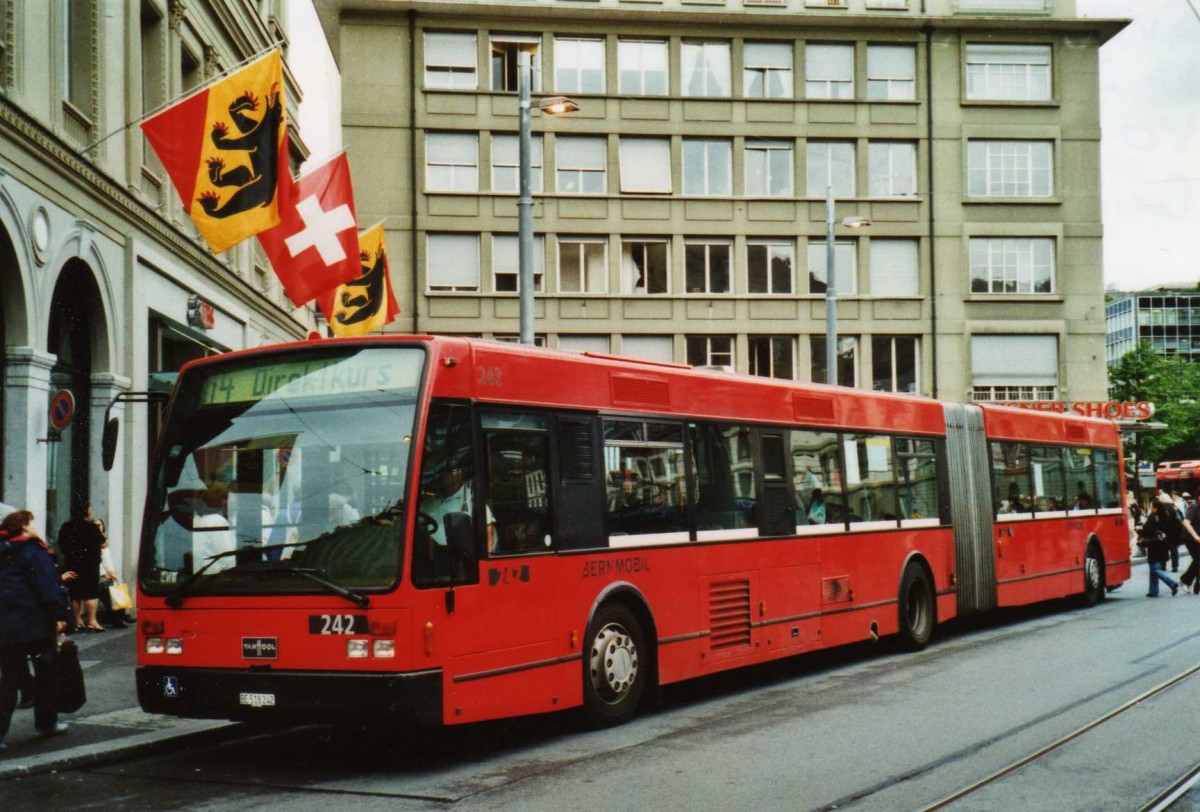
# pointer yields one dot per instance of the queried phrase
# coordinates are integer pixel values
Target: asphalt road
(861, 728)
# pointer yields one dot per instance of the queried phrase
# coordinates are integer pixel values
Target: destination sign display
(372, 370)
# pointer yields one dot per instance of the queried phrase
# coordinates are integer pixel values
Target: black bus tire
(917, 608)
(616, 666)
(1093, 576)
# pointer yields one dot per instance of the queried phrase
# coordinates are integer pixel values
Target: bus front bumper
(291, 696)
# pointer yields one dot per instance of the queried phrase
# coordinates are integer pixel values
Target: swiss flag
(315, 246)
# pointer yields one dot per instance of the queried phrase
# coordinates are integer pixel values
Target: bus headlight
(174, 645)
(356, 649)
(383, 648)
(154, 645)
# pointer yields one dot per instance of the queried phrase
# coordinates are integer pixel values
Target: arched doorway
(73, 319)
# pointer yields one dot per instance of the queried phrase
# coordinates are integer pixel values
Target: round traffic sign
(62, 409)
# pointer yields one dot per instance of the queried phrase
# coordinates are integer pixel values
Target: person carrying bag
(33, 612)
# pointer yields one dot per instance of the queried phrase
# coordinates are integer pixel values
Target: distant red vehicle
(444, 530)
(1181, 476)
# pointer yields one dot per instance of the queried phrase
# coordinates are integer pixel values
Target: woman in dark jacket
(33, 611)
(1160, 533)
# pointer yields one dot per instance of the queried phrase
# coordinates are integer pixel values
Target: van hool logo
(260, 648)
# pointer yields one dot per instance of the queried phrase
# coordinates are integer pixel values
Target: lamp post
(831, 336)
(552, 106)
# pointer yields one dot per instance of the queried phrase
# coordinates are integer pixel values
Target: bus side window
(447, 487)
(517, 456)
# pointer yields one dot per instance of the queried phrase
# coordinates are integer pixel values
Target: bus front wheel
(614, 666)
(1093, 576)
(916, 607)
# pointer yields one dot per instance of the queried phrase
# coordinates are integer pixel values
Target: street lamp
(554, 105)
(831, 335)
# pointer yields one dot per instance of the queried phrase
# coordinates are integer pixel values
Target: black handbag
(69, 691)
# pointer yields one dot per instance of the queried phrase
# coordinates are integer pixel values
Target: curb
(187, 733)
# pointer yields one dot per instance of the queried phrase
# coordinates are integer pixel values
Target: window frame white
(846, 344)
(585, 272)
(1004, 262)
(442, 158)
(1004, 364)
(716, 158)
(892, 169)
(447, 256)
(573, 58)
(713, 356)
(536, 161)
(773, 246)
(708, 244)
(829, 81)
(756, 65)
(468, 70)
(500, 258)
(1019, 75)
(768, 171)
(885, 279)
(632, 59)
(1013, 168)
(893, 347)
(820, 165)
(629, 267)
(717, 77)
(896, 84)
(772, 341)
(644, 164)
(589, 170)
(845, 266)
(517, 42)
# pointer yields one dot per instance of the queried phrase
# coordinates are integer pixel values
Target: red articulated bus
(1178, 477)
(441, 530)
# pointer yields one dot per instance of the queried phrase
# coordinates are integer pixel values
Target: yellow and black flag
(367, 303)
(223, 148)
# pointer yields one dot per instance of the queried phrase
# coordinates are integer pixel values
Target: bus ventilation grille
(835, 590)
(634, 389)
(729, 614)
(1076, 432)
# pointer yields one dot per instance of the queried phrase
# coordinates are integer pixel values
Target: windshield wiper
(361, 601)
(175, 597)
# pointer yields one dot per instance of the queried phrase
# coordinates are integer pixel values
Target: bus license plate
(337, 624)
(257, 700)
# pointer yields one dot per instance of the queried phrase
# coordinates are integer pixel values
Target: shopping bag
(69, 691)
(118, 596)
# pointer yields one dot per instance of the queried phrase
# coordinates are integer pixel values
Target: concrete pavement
(110, 725)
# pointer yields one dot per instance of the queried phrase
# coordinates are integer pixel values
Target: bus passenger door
(504, 649)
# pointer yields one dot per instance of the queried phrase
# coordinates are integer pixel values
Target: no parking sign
(62, 409)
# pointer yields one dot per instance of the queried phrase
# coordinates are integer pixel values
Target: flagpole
(197, 89)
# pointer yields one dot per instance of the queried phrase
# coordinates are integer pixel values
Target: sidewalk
(109, 726)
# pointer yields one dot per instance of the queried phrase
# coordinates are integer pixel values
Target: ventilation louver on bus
(729, 614)
(638, 390)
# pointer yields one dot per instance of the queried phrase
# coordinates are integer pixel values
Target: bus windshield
(284, 474)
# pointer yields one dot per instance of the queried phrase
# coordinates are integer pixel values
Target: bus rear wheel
(1093, 576)
(916, 608)
(614, 666)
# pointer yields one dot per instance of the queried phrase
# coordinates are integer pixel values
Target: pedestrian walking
(1191, 539)
(1159, 532)
(33, 611)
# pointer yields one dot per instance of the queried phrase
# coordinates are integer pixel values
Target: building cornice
(57, 152)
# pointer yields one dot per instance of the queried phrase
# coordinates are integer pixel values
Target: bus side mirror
(108, 442)
(460, 535)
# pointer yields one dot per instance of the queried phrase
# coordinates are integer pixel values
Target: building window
(831, 163)
(642, 67)
(539, 339)
(894, 364)
(452, 262)
(582, 162)
(893, 267)
(844, 266)
(648, 348)
(709, 351)
(645, 266)
(450, 59)
(847, 360)
(581, 265)
(767, 70)
(506, 164)
(891, 72)
(505, 48)
(769, 168)
(892, 169)
(80, 37)
(506, 267)
(1010, 168)
(706, 70)
(1014, 367)
(1012, 265)
(772, 356)
(1008, 72)
(706, 266)
(645, 165)
(578, 65)
(584, 343)
(829, 71)
(451, 162)
(707, 166)
(769, 265)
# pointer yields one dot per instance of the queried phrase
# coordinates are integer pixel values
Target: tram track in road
(1163, 801)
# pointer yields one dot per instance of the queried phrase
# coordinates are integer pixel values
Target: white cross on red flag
(315, 246)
